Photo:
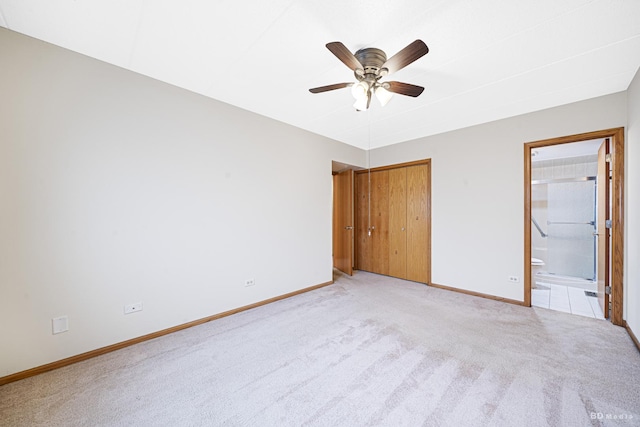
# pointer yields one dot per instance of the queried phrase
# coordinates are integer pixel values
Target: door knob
(348, 227)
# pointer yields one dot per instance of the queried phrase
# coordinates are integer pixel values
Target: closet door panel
(380, 222)
(398, 223)
(418, 250)
(363, 247)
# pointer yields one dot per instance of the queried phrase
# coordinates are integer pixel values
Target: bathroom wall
(568, 249)
(570, 167)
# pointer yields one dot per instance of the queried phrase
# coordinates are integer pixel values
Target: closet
(393, 221)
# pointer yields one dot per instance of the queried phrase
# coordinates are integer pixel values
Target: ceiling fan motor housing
(372, 60)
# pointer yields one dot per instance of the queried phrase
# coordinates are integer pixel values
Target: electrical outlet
(249, 282)
(59, 324)
(133, 308)
(514, 279)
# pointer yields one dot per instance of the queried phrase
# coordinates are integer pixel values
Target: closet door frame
(360, 204)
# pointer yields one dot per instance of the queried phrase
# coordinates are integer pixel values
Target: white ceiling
(488, 59)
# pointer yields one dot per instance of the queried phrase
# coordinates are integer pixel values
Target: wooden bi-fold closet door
(418, 223)
(393, 224)
(372, 222)
(398, 222)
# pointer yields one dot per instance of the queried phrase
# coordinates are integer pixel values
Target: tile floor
(565, 298)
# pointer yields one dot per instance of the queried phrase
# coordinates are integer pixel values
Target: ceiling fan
(369, 65)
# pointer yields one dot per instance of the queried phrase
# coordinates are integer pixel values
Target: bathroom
(563, 229)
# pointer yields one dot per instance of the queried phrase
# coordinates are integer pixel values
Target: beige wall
(478, 190)
(632, 208)
(116, 188)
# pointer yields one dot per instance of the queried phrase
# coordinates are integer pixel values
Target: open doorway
(564, 238)
(588, 242)
(343, 217)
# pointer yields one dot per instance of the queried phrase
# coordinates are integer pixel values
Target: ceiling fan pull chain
(369, 173)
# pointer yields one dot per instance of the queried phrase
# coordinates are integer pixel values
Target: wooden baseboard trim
(108, 349)
(477, 294)
(632, 335)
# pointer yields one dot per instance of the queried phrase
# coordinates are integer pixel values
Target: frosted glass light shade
(361, 104)
(360, 90)
(383, 95)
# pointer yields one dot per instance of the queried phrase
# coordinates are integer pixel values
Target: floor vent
(591, 294)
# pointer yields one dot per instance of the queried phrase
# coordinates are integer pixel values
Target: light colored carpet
(367, 351)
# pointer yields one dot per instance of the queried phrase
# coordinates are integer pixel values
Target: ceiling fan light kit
(369, 65)
(383, 94)
(360, 92)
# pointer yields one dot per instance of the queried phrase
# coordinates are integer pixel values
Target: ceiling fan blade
(406, 56)
(329, 87)
(403, 88)
(345, 55)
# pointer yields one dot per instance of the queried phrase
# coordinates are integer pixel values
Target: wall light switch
(60, 324)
